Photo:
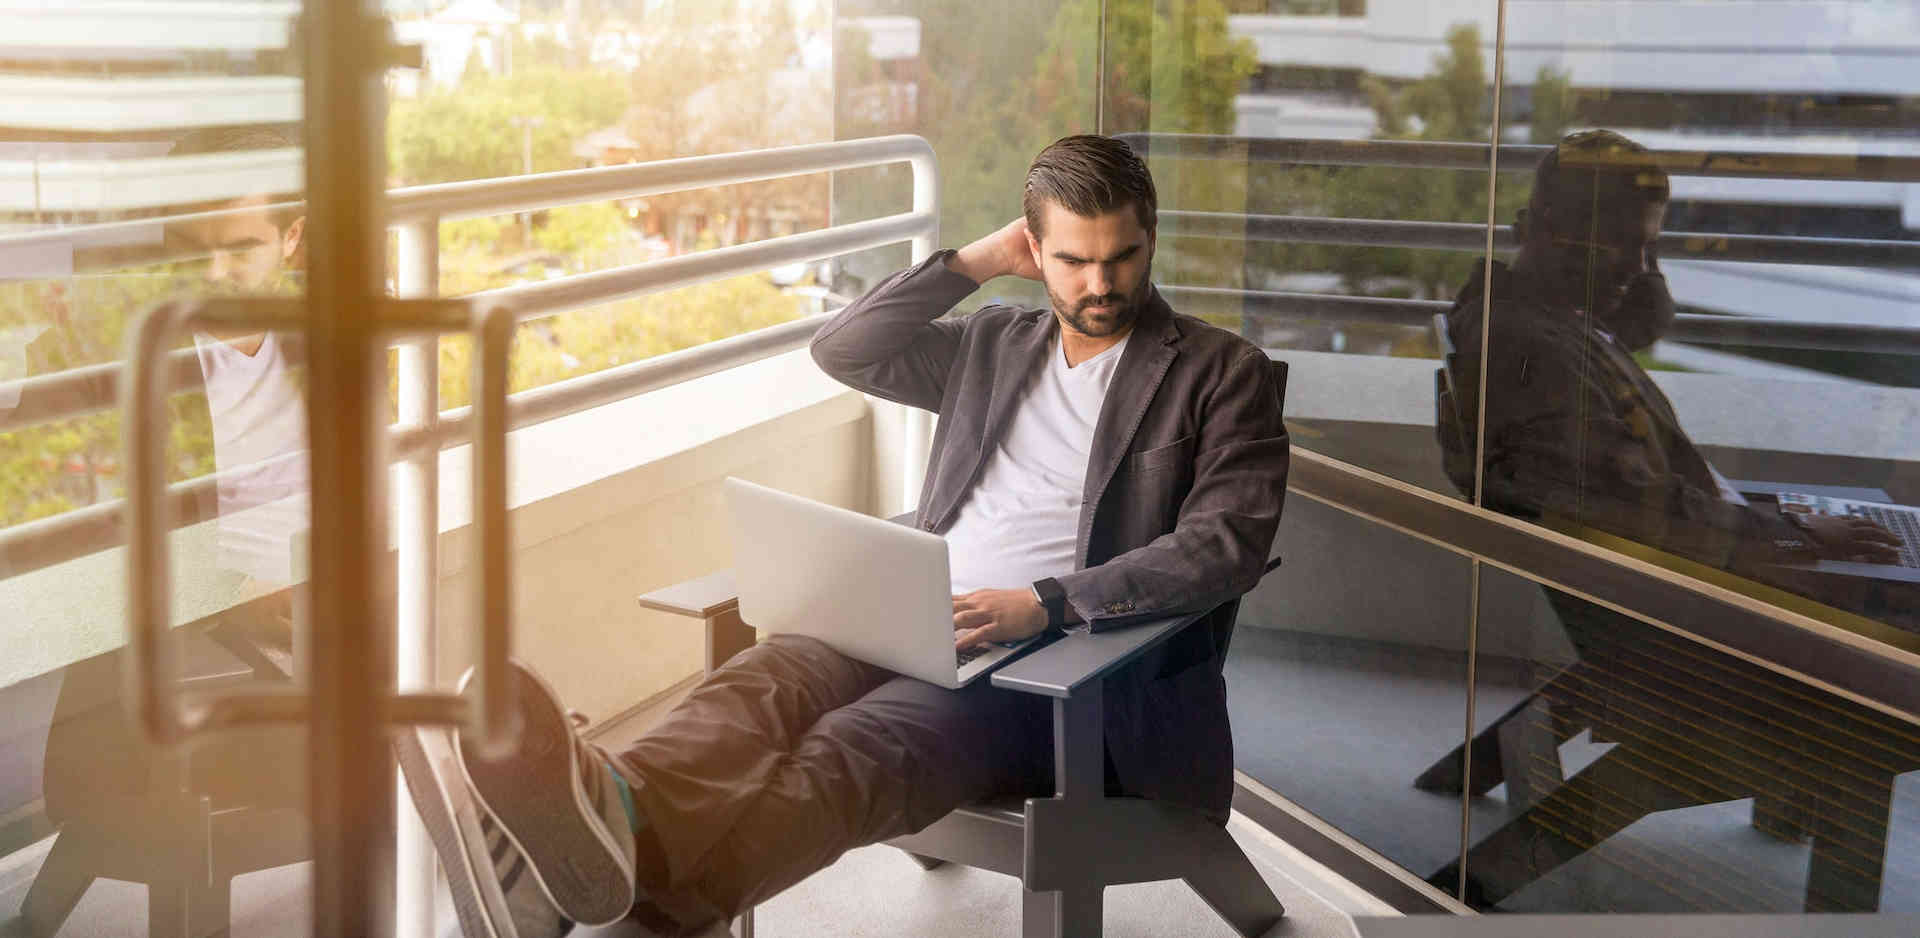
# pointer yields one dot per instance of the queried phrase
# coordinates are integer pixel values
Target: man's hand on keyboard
(996, 616)
(1853, 539)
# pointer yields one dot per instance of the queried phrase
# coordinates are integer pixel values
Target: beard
(1122, 309)
(1642, 313)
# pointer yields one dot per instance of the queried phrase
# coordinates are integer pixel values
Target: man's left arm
(1218, 548)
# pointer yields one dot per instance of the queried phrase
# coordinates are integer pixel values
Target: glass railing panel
(1706, 361)
(181, 124)
(1323, 200)
(1623, 768)
(989, 84)
(1347, 682)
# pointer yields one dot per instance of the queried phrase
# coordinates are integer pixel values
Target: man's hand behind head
(996, 616)
(1005, 252)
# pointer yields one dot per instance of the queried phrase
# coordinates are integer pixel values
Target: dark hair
(1595, 166)
(1089, 175)
(236, 139)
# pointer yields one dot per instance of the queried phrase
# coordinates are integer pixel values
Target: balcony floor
(875, 891)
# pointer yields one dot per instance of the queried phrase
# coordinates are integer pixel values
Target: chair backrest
(1450, 425)
(1280, 382)
(1446, 403)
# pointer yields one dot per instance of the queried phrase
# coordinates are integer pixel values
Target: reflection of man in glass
(111, 792)
(1577, 431)
(256, 405)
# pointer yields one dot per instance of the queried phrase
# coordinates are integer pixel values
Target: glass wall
(988, 84)
(146, 153)
(1621, 408)
(1691, 346)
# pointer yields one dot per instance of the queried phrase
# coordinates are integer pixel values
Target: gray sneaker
(494, 893)
(555, 798)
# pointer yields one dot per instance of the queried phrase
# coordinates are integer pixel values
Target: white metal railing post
(917, 442)
(417, 510)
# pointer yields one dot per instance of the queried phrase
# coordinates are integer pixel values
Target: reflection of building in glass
(93, 93)
(1799, 77)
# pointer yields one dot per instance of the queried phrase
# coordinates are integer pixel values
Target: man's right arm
(892, 343)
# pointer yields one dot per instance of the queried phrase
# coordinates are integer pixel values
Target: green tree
(55, 467)
(721, 76)
(1450, 103)
(992, 90)
(1556, 106)
(467, 132)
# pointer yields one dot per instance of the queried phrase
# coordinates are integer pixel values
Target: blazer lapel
(1150, 352)
(1027, 344)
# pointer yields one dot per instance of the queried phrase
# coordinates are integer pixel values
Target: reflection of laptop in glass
(1903, 521)
(873, 590)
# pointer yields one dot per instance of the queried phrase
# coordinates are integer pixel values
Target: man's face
(246, 251)
(1598, 254)
(1096, 269)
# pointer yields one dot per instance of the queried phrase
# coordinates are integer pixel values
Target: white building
(1725, 61)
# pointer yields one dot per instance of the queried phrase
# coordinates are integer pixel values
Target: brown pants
(792, 754)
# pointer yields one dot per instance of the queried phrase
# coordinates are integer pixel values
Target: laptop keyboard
(1902, 523)
(962, 657)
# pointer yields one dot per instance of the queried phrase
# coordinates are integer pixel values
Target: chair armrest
(703, 598)
(1081, 657)
(713, 600)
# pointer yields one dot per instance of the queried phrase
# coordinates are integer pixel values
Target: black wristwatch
(1053, 599)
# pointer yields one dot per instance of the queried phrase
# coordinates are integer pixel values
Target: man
(255, 402)
(1576, 429)
(1102, 464)
(95, 755)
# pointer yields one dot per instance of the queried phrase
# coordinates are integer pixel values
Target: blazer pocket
(1179, 452)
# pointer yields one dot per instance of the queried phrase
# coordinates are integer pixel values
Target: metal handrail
(450, 200)
(90, 388)
(1519, 157)
(39, 544)
(1687, 327)
(1469, 237)
(1472, 238)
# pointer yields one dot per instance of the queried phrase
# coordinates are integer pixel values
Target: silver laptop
(872, 590)
(1902, 520)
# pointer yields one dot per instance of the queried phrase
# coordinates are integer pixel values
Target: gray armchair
(1068, 848)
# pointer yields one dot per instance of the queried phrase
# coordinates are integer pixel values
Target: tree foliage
(1451, 103)
(468, 131)
(56, 467)
(997, 80)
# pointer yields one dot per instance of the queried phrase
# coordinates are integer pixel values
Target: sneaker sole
(428, 763)
(574, 857)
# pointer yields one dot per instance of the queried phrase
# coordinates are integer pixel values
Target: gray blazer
(1183, 492)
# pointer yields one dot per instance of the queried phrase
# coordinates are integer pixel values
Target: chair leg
(167, 903)
(1230, 885)
(1529, 754)
(210, 907)
(1068, 913)
(926, 862)
(63, 878)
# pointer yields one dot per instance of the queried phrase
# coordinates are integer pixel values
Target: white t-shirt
(259, 416)
(1020, 523)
